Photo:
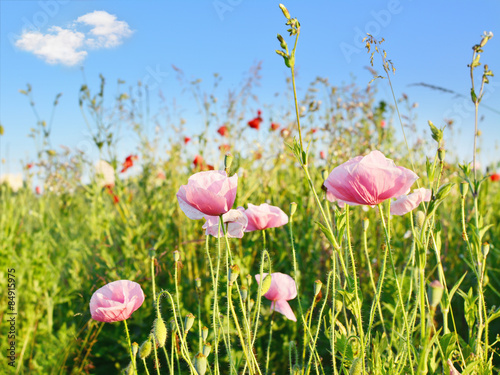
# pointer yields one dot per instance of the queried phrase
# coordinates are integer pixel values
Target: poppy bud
(420, 218)
(188, 321)
(135, 348)
(317, 287)
(435, 293)
(356, 367)
(464, 188)
(234, 271)
(129, 370)
(244, 293)
(441, 153)
(266, 284)
(145, 349)
(198, 283)
(249, 280)
(366, 224)
(285, 11)
(177, 256)
(228, 160)
(293, 208)
(160, 332)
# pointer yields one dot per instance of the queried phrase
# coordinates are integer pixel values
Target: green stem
(132, 358)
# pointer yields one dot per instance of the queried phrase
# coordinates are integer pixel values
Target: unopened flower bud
(228, 160)
(188, 321)
(207, 349)
(317, 287)
(435, 293)
(197, 282)
(441, 153)
(177, 255)
(244, 293)
(145, 349)
(486, 249)
(160, 332)
(249, 280)
(419, 218)
(293, 208)
(234, 271)
(464, 188)
(285, 11)
(282, 41)
(266, 284)
(129, 370)
(444, 191)
(324, 174)
(135, 349)
(366, 223)
(356, 367)
(200, 363)
(204, 333)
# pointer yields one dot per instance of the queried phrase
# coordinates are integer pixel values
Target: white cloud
(68, 46)
(58, 46)
(107, 31)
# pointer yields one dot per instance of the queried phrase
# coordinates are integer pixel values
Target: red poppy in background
(222, 130)
(495, 177)
(109, 189)
(382, 124)
(322, 155)
(186, 140)
(255, 123)
(314, 130)
(274, 126)
(38, 190)
(224, 147)
(29, 166)
(285, 132)
(129, 162)
(199, 163)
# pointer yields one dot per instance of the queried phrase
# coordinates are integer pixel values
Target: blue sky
(427, 41)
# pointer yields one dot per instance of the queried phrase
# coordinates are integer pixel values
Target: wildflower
(255, 122)
(29, 166)
(235, 222)
(199, 163)
(263, 217)
(14, 181)
(109, 189)
(495, 177)
(382, 124)
(116, 301)
(38, 190)
(285, 133)
(186, 140)
(314, 130)
(322, 155)
(368, 180)
(224, 148)
(274, 126)
(128, 163)
(407, 203)
(209, 193)
(282, 289)
(105, 174)
(222, 130)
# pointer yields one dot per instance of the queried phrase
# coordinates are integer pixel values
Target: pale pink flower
(235, 222)
(263, 217)
(282, 289)
(368, 180)
(209, 193)
(407, 203)
(104, 174)
(116, 301)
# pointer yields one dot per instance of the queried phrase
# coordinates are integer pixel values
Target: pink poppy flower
(282, 289)
(263, 217)
(209, 193)
(407, 203)
(116, 301)
(234, 220)
(368, 180)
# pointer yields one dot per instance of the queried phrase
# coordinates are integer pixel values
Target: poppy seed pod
(200, 363)
(204, 334)
(188, 322)
(207, 349)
